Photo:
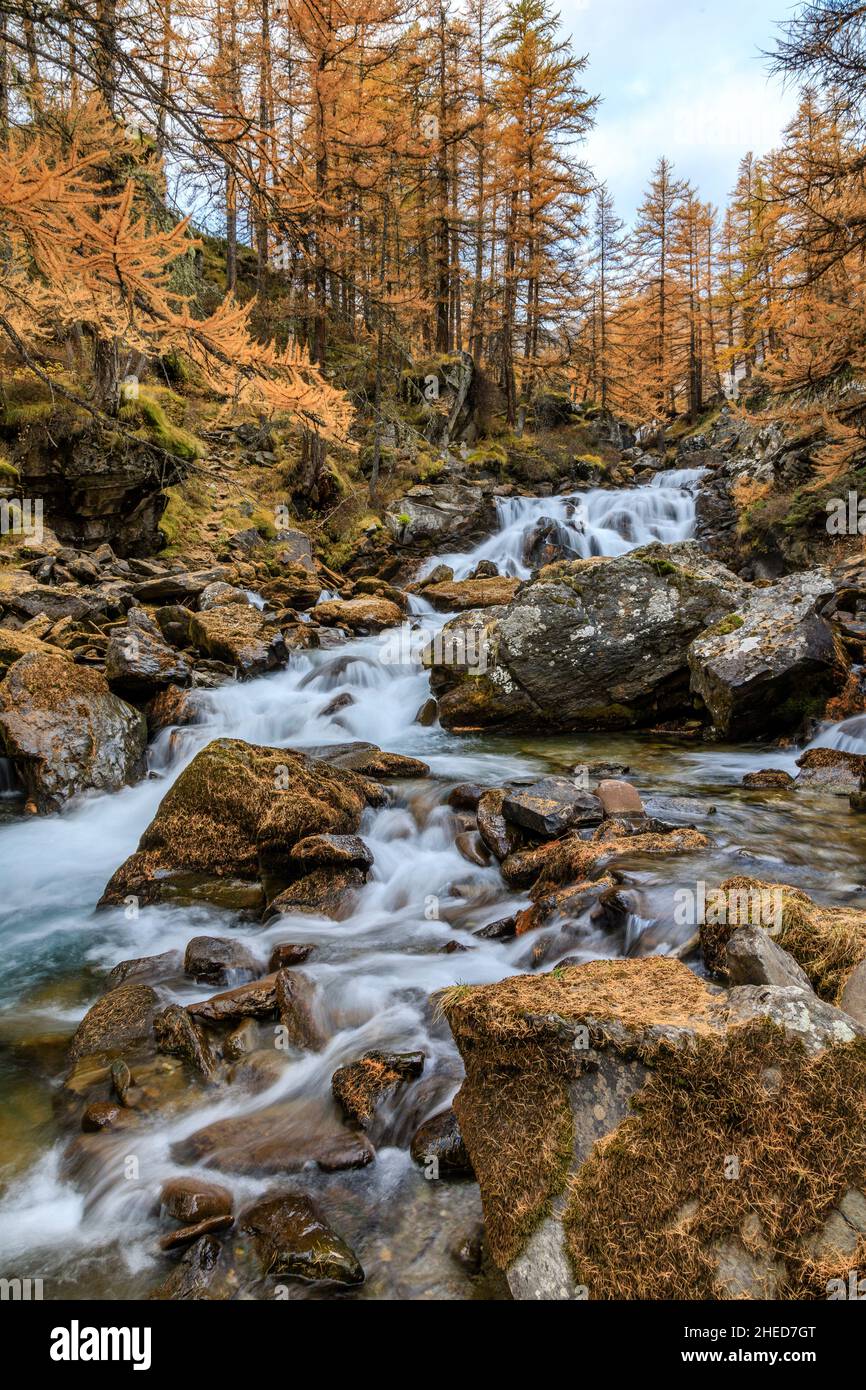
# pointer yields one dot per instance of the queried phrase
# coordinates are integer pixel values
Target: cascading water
(375, 972)
(599, 522)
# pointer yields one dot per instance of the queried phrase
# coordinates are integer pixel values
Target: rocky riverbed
(356, 930)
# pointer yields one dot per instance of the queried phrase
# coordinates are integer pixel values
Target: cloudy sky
(683, 78)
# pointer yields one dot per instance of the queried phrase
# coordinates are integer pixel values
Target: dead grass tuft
(649, 1209)
(826, 941)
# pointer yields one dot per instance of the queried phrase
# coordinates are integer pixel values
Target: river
(376, 970)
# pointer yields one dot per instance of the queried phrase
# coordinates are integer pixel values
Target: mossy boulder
(234, 815)
(65, 730)
(240, 636)
(587, 644)
(585, 1084)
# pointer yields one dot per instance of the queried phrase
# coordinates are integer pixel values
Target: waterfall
(598, 522)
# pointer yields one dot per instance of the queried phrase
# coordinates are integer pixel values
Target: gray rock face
(591, 644)
(429, 514)
(804, 1016)
(552, 806)
(753, 958)
(853, 997)
(760, 670)
(138, 664)
(66, 731)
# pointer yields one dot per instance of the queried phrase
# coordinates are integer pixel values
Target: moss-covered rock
(587, 644)
(236, 813)
(585, 1085)
(65, 730)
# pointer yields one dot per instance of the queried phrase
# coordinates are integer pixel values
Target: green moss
(8, 472)
(160, 429)
(183, 518)
(724, 626)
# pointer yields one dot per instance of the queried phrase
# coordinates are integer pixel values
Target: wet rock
(179, 1035)
(772, 662)
(588, 644)
(328, 892)
(347, 851)
(500, 837)
(242, 1040)
(360, 1087)
(241, 637)
(368, 760)
(146, 970)
(296, 1003)
(367, 614)
(829, 769)
(196, 1276)
(293, 1241)
(619, 798)
(187, 1235)
(191, 1199)
(501, 930)
(235, 812)
(279, 1139)
(753, 958)
(465, 797)
(439, 1141)
(473, 849)
(288, 953)
(768, 777)
(121, 1081)
(428, 713)
(461, 595)
(255, 1000)
(101, 1115)
(65, 730)
(120, 1022)
(551, 807)
(217, 960)
(138, 664)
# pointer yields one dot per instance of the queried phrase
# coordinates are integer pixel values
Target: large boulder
(234, 816)
(240, 636)
(585, 1085)
(65, 730)
(431, 514)
(587, 644)
(771, 664)
(370, 613)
